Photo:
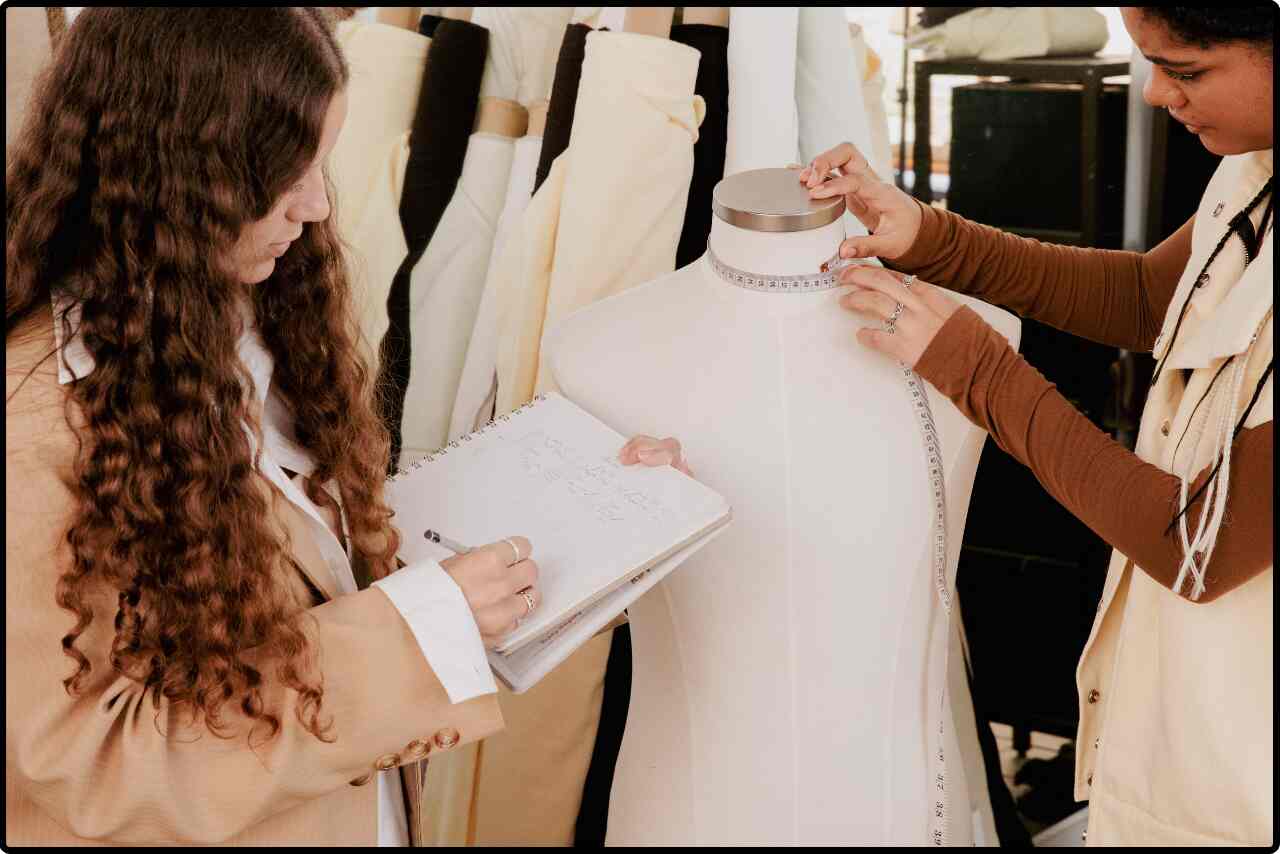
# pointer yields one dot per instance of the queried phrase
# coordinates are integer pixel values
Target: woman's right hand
(494, 579)
(891, 216)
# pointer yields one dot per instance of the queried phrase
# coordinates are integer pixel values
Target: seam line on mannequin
(791, 597)
(682, 661)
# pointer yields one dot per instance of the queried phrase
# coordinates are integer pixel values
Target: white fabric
(763, 129)
(473, 403)
(829, 92)
(873, 98)
(996, 33)
(597, 227)
(524, 42)
(444, 291)
(780, 690)
(425, 595)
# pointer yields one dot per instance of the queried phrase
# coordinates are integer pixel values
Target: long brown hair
(153, 138)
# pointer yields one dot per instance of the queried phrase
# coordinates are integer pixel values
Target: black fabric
(564, 99)
(428, 23)
(442, 123)
(932, 16)
(593, 815)
(1010, 830)
(708, 152)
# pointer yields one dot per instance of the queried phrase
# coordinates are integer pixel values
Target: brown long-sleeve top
(1113, 297)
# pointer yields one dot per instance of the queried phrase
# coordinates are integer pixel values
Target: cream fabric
(368, 162)
(636, 96)
(1167, 670)
(995, 33)
(375, 246)
(478, 384)
(27, 49)
(763, 127)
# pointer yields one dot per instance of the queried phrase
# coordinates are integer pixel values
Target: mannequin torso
(778, 688)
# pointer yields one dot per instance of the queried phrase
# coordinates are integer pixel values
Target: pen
(452, 545)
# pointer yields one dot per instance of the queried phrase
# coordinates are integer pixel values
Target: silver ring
(898, 308)
(528, 603)
(514, 548)
(907, 281)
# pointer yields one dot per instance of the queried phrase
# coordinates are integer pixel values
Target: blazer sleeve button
(447, 738)
(387, 762)
(360, 781)
(416, 749)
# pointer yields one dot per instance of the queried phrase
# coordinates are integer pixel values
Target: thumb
(868, 246)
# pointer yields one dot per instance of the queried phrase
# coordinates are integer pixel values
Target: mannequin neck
(793, 253)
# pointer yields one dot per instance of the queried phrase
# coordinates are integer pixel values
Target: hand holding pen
(499, 581)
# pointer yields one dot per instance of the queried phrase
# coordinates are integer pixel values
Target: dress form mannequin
(779, 678)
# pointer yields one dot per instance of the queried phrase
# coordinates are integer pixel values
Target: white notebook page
(550, 472)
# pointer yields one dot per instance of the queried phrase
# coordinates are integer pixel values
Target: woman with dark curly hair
(194, 468)
(1175, 684)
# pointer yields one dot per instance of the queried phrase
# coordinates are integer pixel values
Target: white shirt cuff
(441, 621)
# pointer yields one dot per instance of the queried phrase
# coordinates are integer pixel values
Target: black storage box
(1016, 156)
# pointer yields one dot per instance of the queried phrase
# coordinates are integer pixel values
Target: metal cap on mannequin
(772, 200)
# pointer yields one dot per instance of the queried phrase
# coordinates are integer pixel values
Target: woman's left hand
(654, 452)
(878, 293)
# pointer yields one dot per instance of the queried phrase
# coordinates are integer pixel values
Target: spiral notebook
(549, 471)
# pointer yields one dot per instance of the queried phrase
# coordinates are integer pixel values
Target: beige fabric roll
(386, 76)
(502, 117)
(537, 119)
(368, 163)
(27, 49)
(636, 96)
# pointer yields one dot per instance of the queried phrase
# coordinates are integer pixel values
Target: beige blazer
(1176, 715)
(96, 768)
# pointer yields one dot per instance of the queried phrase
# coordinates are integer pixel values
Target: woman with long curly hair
(194, 468)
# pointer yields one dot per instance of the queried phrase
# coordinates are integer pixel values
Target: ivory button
(1164, 428)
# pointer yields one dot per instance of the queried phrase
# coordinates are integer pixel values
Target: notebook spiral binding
(437, 454)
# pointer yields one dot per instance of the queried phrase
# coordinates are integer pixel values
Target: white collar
(76, 362)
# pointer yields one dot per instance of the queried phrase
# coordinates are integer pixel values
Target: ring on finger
(908, 280)
(514, 548)
(529, 604)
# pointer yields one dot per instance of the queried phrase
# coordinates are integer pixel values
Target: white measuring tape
(939, 648)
